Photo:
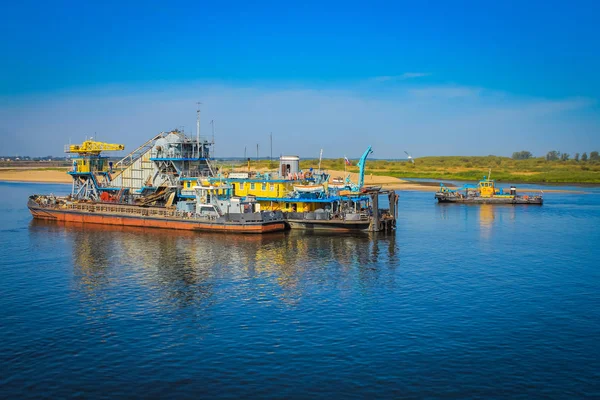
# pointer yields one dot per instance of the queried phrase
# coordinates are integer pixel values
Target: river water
(460, 302)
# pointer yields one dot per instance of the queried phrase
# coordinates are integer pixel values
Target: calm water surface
(460, 302)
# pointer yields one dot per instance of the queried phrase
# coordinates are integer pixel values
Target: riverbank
(59, 175)
(38, 175)
(503, 169)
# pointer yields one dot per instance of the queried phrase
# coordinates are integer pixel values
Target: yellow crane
(91, 147)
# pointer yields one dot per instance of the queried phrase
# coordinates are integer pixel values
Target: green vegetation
(474, 168)
(555, 167)
(522, 155)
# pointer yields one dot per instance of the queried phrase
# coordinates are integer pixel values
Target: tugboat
(309, 202)
(485, 192)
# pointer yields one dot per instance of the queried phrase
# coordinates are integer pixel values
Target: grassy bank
(471, 168)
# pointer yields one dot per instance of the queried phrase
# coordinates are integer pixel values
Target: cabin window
(252, 186)
(272, 188)
(264, 187)
(241, 186)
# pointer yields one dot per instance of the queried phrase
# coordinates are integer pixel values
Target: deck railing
(104, 208)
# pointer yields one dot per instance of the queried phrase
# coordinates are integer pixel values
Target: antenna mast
(321, 157)
(271, 157)
(212, 124)
(198, 128)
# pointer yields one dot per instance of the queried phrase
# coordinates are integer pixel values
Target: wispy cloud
(447, 92)
(402, 77)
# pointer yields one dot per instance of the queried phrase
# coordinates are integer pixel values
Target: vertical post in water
(375, 206)
(392, 201)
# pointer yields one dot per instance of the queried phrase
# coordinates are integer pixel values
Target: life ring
(226, 174)
(203, 199)
(526, 197)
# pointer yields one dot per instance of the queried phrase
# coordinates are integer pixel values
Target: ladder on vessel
(218, 209)
(130, 158)
(210, 167)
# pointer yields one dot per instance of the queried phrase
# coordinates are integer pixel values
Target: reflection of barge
(485, 193)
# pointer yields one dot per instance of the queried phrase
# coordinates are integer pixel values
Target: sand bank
(387, 182)
(35, 175)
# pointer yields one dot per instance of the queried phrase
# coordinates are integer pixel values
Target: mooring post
(391, 198)
(375, 204)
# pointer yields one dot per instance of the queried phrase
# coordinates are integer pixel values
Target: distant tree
(564, 157)
(521, 155)
(576, 158)
(553, 155)
(594, 156)
(584, 157)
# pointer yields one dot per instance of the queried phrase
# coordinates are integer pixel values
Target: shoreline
(56, 176)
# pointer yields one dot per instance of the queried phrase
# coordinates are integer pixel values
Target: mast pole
(212, 123)
(198, 129)
(271, 156)
(320, 157)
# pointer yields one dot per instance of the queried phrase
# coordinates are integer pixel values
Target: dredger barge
(485, 192)
(63, 209)
(144, 190)
(171, 182)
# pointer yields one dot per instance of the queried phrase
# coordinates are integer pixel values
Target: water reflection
(486, 220)
(495, 215)
(489, 216)
(182, 268)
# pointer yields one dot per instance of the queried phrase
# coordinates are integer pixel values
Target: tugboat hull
(332, 225)
(443, 198)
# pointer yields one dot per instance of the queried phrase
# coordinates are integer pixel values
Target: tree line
(555, 155)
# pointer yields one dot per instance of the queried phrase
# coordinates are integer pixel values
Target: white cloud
(447, 92)
(402, 77)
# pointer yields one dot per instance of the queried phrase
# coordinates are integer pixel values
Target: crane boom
(361, 166)
(92, 147)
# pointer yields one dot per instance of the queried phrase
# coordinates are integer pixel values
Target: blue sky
(433, 78)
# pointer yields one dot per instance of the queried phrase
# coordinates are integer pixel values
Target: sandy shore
(35, 175)
(60, 176)
(387, 182)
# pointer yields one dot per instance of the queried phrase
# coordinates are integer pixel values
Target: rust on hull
(153, 222)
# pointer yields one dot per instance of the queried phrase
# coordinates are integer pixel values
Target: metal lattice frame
(85, 188)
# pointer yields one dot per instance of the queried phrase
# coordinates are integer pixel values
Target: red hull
(153, 222)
